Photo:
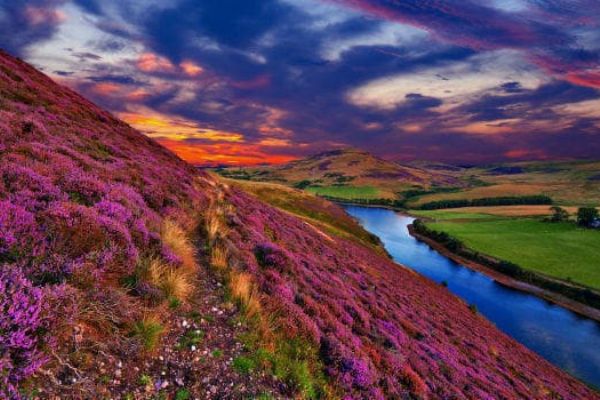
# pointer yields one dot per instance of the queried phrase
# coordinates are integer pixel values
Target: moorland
(127, 273)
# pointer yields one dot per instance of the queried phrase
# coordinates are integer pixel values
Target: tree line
(487, 202)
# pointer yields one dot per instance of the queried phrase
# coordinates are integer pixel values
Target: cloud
(24, 23)
(454, 83)
(150, 62)
(548, 32)
(253, 81)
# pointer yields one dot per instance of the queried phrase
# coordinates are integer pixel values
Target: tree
(586, 216)
(559, 214)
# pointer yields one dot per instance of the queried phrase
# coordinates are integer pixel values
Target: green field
(561, 250)
(346, 192)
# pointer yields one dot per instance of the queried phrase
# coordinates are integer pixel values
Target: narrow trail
(193, 361)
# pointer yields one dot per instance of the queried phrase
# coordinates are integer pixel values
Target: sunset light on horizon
(237, 82)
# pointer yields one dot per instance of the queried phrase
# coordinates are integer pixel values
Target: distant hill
(348, 172)
(353, 174)
(568, 183)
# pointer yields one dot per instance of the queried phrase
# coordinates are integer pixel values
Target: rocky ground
(195, 360)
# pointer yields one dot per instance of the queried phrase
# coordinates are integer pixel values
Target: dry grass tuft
(177, 240)
(174, 282)
(242, 289)
(219, 258)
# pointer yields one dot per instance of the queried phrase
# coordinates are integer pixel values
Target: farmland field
(561, 250)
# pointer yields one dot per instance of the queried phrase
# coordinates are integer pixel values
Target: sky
(242, 82)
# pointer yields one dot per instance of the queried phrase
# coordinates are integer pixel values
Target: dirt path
(195, 360)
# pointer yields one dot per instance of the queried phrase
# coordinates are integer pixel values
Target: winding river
(562, 337)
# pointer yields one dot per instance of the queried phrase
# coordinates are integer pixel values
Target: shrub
(176, 283)
(145, 380)
(559, 214)
(219, 257)
(302, 184)
(242, 289)
(190, 338)
(586, 216)
(487, 201)
(269, 255)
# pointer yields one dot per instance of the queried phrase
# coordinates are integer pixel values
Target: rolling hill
(348, 173)
(351, 174)
(569, 183)
(126, 273)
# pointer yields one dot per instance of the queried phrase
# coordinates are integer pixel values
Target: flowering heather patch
(383, 331)
(20, 323)
(82, 198)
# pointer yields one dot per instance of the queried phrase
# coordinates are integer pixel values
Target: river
(557, 334)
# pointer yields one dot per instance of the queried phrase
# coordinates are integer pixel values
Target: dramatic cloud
(235, 81)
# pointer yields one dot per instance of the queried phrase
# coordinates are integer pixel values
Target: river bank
(563, 337)
(508, 281)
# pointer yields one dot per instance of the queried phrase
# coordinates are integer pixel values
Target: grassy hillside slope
(382, 331)
(357, 175)
(316, 211)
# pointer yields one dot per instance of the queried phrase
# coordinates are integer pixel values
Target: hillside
(353, 174)
(99, 278)
(348, 173)
(571, 183)
(126, 273)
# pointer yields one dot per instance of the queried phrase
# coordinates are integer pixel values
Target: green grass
(346, 192)
(148, 331)
(452, 215)
(561, 250)
(243, 365)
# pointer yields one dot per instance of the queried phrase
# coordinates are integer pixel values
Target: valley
(128, 273)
